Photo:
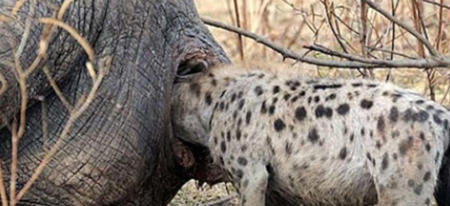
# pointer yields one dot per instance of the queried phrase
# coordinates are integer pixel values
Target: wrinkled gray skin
(118, 152)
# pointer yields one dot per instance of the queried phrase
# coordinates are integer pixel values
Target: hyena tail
(442, 193)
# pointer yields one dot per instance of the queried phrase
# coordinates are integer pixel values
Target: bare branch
(437, 4)
(404, 26)
(55, 87)
(86, 46)
(4, 84)
(2, 188)
(80, 107)
(357, 63)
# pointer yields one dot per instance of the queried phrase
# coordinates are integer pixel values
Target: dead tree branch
(351, 62)
(410, 30)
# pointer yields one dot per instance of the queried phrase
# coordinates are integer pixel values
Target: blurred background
(337, 25)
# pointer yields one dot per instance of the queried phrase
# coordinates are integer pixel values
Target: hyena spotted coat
(316, 141)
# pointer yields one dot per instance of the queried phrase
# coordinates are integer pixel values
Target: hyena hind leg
(406, 184)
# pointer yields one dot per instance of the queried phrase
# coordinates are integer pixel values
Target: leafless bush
(18, 125)
(352, 34)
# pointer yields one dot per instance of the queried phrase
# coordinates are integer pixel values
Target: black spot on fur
(343, 153)
(357, 84)
(239, 174)
(352, 137)
(323, 111)
(241, 104)
(279, 125)
(422, 136)
(238, 134)
(208, 98)
(331, 86)
(428, 147)
(242, 161)
(366, 104)
(223, 93)
(258, 90)
(316, 99)
(421, 116)
(420, 101)
(288, 148)
(437, 119)
(195, 88)
(385, 162)
(369, 157)
(343, 109)
(313, 136)
(269, 143)
(302, 93)
(408, 115)
(263, 107)
(380, 124)
(228, 136)
(330, 97)
(300, 113)
(427, 176)
(248, 117)
(372, 85)
(240, 94)
(223, 147)
(418, 189)
(405, 145)
(233, 97)
(393, 115)
(272, 109)
(286, 97)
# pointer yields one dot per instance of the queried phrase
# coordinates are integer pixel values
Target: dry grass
(335, 24)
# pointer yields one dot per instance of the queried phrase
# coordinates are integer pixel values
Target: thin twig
(437, 4)
(238, 23)
(441, 23)
(4, 84)
(55, 87)
(2, 187)
(286, 53)
(80, 107)
(404, 26)
(83, 43)
(17, 7)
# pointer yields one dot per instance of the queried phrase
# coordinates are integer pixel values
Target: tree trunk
(120, 151)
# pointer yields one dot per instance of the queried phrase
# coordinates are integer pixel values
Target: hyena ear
(189, 69)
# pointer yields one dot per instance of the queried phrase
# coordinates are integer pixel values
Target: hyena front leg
(253, 184)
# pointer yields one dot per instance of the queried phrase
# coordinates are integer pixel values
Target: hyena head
(190, 113)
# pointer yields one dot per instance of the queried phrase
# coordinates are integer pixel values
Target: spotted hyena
(315, 141)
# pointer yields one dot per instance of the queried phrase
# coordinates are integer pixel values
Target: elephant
(120, 151)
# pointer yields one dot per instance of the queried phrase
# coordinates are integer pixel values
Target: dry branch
(353, 61)
(437, 4)
(410, 30)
